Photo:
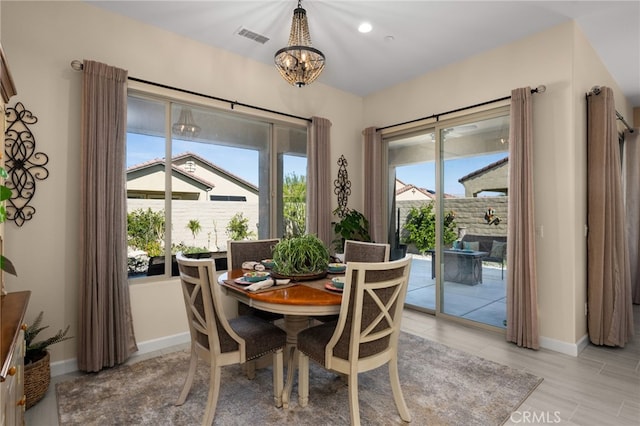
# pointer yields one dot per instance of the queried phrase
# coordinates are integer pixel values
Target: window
(192, 169)
(228, 198)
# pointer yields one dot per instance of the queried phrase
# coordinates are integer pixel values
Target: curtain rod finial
(541, 89)
(77, 65)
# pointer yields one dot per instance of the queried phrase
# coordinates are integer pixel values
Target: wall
(549, 59)
(41, 39)
(469, 213)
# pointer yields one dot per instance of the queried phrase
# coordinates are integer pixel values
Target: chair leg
(250, 369)
(394, 378)
(303, 379)
(278, 377)
(354, 406)
(212, 400)
(193, 362)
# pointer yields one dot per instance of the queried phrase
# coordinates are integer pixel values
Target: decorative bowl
(268, 263)
(299, 277)
(255, 276)
(338, 282)
(337, 267)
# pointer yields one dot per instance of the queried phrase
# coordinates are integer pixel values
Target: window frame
(168, 97)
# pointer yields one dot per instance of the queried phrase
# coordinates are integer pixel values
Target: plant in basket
(37, 371)
(300, 257)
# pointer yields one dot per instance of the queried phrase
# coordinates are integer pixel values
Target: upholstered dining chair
(366, 334)
(239, 252)
(242, 251)
(360, 251)
(220, 341)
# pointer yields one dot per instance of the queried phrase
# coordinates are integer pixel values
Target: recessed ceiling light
(365, 27)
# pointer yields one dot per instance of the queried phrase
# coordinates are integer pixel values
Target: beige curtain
(319, 180)
(522, 285)
(374, 184)
(105, 336)
(631, 177)
(610, 316)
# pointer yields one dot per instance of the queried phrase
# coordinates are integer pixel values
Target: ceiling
(409, 38)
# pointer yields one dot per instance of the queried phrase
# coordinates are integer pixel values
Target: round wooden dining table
(297, 301)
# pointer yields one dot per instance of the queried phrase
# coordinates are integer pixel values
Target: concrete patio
(484, 303)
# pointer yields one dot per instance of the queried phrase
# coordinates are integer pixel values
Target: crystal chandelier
(299, 63)
(185, 127)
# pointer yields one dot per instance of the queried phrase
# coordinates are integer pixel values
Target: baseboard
(59, 368)
(572, 349)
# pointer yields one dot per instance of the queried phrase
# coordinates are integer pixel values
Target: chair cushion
(312, 341)
(261, 337)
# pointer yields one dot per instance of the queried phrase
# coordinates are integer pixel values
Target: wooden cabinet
(12, 399)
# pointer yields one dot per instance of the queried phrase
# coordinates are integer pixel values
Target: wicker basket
(37, 377)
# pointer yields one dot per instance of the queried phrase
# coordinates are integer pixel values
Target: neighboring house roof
(485, 169)
(216, 168)
(411, 187)
(429, 193)
(158, 164)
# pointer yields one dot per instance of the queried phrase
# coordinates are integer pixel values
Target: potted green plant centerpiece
(300, 258)
(37, 370)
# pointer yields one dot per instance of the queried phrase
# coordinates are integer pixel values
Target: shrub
(145, 230)
(421, 227)
(238, 227)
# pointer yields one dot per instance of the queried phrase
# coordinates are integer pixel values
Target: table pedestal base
(293, 325)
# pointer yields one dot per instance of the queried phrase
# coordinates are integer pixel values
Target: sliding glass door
(448, 207)
(475, 179)
(412, 183)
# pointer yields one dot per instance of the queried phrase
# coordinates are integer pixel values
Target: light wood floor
(600, 387)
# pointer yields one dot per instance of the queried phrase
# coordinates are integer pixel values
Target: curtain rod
(78, 66)
(539, 89)
(595, 90)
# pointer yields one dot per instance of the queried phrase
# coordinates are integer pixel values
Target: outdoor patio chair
(366, 334)
(220, 341)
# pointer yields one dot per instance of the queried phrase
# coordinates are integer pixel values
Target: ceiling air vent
(253, 36)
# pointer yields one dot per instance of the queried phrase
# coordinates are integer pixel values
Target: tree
(195, 227)
(421, 227)
(294, 196)
(145, 230)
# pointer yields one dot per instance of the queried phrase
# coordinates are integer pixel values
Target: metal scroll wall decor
(342, 188)
(23, 164)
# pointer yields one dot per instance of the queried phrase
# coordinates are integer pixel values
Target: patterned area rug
(442, 386)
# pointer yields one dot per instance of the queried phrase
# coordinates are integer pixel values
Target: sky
(244, 162)
(423, 175)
